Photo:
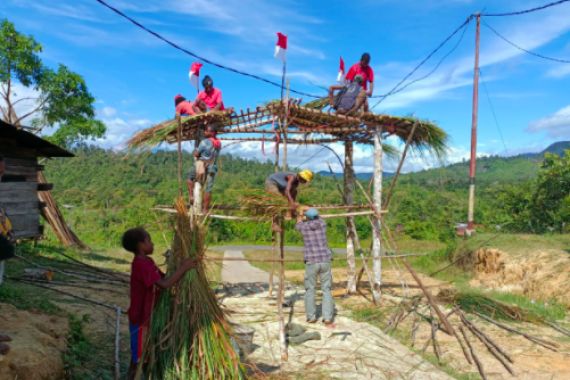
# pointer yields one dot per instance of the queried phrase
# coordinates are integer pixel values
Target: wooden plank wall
(19, 196)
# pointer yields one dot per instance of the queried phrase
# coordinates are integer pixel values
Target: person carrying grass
(318, 257)
(146, 280)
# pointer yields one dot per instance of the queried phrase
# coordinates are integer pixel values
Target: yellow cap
(306, 174)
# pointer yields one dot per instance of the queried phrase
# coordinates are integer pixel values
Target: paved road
(234, 272)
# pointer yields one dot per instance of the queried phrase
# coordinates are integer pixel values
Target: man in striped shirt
(317, 263)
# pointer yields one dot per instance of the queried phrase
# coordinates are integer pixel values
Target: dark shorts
(137, 341)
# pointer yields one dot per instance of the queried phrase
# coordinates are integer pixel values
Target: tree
(551, 200)
(60, 97)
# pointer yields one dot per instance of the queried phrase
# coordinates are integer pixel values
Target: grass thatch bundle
(189, 337)
(263, 205)
(167, 130)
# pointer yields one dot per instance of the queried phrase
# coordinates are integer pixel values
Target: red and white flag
(281, 47)
(194, 74)
(340, 77)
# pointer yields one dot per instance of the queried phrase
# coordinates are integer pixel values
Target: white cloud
(559, 71)
(119, 128)
(556, 125)
(108, 111)
(24, 101)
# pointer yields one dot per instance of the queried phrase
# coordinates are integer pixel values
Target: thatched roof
(305, 126)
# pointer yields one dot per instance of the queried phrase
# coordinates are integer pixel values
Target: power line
(516, 13)
(206, 60)
(436, 66)
(395, 88)
(493, 110)
(523, 49)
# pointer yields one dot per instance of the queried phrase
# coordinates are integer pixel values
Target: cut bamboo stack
(50, 212)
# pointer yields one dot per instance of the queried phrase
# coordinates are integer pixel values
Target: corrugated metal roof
(27, 139)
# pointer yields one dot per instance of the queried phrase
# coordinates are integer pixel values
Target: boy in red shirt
(184, 107)
(146, 279)
(209, 99)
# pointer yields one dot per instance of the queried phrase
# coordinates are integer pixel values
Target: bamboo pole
(400, 164)
(118, 344)
(348, 200)
(280, 299)
(208, 258)
(377, 199)
(179, 148)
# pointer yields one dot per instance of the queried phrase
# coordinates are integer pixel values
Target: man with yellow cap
(286, 183)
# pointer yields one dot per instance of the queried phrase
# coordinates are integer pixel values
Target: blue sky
(134, 76)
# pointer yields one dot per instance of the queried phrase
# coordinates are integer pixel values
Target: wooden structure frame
(288, 122)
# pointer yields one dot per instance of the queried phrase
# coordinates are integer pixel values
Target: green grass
(79, 348)
(520, 244)
(27, 297)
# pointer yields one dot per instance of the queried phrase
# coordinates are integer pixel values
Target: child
(145, 279)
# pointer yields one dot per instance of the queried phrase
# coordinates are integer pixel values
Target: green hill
(103, 192)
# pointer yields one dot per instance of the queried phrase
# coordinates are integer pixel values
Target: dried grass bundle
(189, 337)
(263, 205)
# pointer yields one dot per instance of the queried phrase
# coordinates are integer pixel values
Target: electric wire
(436, 66)
(396, 87)
(192, 54)
(516, 13)
(492, 110)
(523, 49)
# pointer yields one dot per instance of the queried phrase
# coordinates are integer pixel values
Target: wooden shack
(19, 186)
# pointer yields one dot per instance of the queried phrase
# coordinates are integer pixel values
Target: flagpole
(283, 79)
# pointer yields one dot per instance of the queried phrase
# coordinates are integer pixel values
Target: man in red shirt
(184, 107)
(363, 69)
(209, 99)
(146, 278)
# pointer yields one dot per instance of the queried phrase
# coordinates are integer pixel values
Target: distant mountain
(361, 176)
(557, 148)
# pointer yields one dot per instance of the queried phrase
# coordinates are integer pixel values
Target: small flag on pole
(194, 74)
(340, 77)
(281, 46)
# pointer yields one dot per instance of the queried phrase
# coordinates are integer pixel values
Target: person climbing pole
(286, 184)
(363, 69)
(184, 107)
(205, 166)
(210, 98)
(350, 99)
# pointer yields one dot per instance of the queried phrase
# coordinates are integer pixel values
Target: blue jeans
(312, 270)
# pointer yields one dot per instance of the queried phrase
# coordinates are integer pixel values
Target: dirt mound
(542, 276)
(38, 341)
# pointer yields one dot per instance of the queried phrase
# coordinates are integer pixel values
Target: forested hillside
(104, 192)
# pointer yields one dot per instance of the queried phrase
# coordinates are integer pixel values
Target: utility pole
(473, 162)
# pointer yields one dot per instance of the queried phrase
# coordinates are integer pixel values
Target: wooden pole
(377, 199)
(348, 195)
(118, 344)
(179, 143)
(280, 299)
(285, 127)
(473, 162)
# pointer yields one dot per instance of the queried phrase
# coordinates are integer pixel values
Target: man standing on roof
(206, 164)
(350, 99)
(209, 99)
(184, 107)
(286, 184)
(318, 258)
(363, 69)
